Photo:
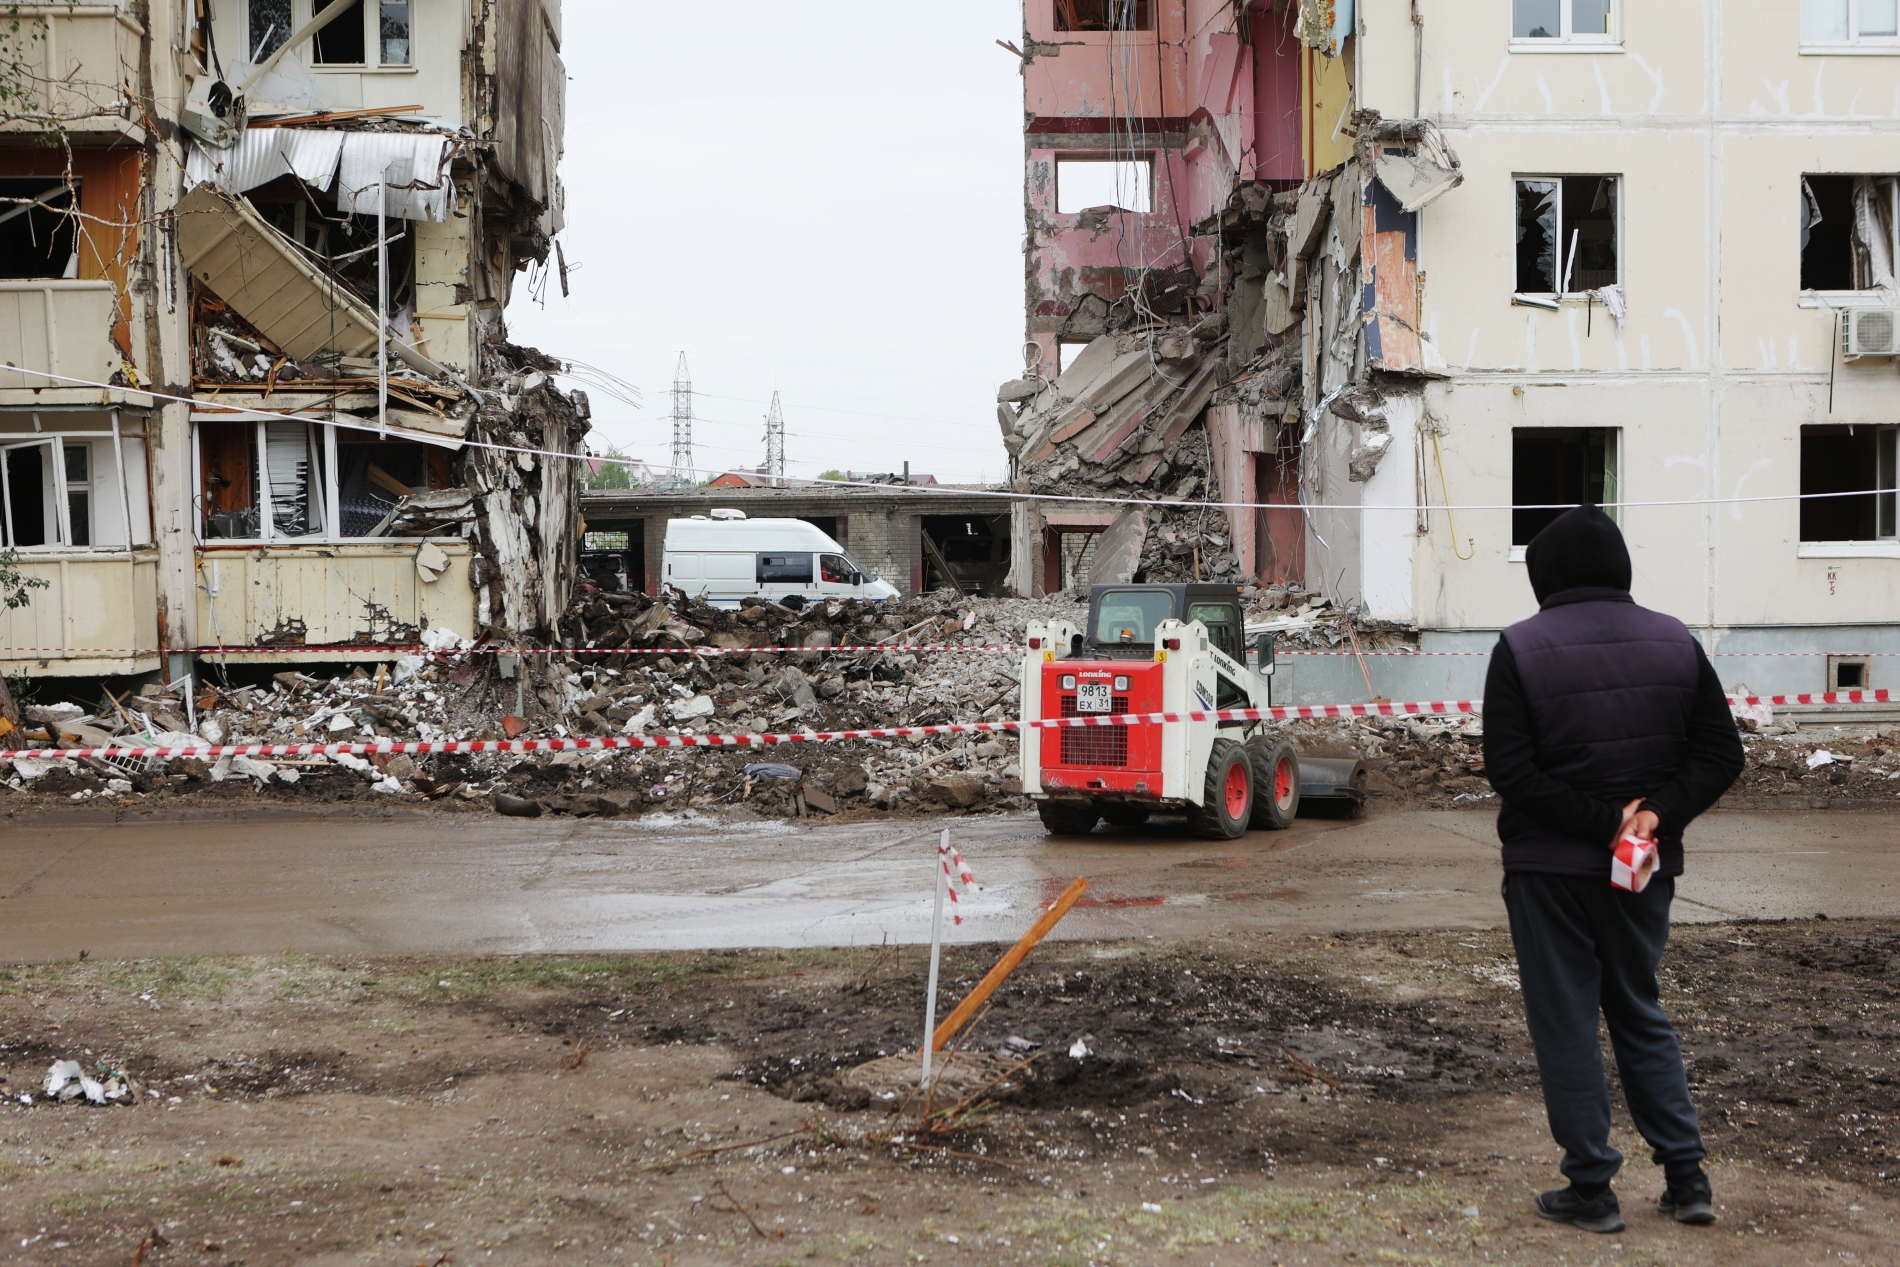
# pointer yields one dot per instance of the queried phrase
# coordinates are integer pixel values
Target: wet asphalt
(462, 884)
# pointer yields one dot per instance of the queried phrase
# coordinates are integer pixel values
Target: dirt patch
(1339, 1097)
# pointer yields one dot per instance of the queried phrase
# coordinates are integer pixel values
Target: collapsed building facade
(1369, 263)
(254, 257)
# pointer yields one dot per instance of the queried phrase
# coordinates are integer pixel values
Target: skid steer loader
(1163, 649)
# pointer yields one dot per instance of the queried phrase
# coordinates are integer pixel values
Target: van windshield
(1130, 616)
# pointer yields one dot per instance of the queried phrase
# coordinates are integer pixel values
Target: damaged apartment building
(254, 257)
(1385, 280)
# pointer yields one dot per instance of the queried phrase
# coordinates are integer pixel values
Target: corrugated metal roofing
(415, 164)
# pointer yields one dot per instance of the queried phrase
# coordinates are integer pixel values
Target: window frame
(1856, 44)
(268, 535)
(1568, 41)
(1866, 297)
(301, 11)
(1144, 159)
(1607, 500)
(98, 482)
(1616, 231)
(1885, 490)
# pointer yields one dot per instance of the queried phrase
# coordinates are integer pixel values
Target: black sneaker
(1688, 1200)
(1600, 1213)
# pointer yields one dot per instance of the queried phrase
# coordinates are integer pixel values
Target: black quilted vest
(1609, 688)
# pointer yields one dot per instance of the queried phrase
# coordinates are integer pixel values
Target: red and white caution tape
(615, 742)
(947, 855)
(1824, 697)
(1409, 708)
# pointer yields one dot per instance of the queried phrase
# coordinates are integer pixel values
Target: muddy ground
(1360, 1098)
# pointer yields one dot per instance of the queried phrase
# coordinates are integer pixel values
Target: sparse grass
(306, 977)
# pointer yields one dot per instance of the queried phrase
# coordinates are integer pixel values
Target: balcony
(365, 594)
(97, 616)
(60, 327)
(82, 63)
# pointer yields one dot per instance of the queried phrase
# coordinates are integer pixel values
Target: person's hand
(1638, 822)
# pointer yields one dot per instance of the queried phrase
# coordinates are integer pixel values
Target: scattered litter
(1464, 797)
(1820, 757)
(1079, 1050)
(1017, 1043)
(772, 770)
(1149, 1207)
(67, 1080)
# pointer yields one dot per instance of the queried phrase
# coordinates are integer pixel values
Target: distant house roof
(739, 479)
(888, 477)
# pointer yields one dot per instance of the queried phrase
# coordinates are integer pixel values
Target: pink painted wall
(1188, 94)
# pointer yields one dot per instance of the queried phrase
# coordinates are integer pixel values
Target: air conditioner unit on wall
(1871, 332)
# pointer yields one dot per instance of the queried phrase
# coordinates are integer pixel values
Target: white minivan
(727, 557)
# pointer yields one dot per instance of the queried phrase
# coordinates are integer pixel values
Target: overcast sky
(822, 199)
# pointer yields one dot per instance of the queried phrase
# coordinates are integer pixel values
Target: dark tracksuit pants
(1585, 947)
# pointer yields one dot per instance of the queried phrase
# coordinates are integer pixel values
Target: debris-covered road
(1271, 1098)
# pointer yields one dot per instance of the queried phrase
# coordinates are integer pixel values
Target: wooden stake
(1007, 964)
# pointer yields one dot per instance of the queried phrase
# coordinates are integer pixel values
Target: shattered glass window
(1537, 19)
(1836, 459)
(1537, 212)
(269, 28)
(1555, 468)
(341, 42)
(1566, 234)
(394, 28)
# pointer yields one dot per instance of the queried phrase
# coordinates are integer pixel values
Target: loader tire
(1276, 783)
(1227, 799)
(1066, 818)
(1125, 814)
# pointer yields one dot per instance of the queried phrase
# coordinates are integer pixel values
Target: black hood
(1580, 549)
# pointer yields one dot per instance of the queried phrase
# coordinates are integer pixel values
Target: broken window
(1104, 15)
(1566, 234)
(1850, 22)
(1851, 459)
(72, 488)
(1086, 183)
(39, 235)
(269, 27)
(1066, 353)
(1555, 468)
(1850, 232)
(342, 42)
(393, 29)
(1565, 21)
(313, 476)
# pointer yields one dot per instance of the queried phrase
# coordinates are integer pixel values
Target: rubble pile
(779, 670)
(585, 684)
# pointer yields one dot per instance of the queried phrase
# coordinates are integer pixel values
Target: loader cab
(1122, 618)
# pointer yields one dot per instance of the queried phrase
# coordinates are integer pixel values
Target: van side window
(785, 569)
(834, 569)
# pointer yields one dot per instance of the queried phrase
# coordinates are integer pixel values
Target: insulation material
(526, 506)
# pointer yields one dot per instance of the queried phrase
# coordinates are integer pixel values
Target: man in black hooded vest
(1601, 718)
